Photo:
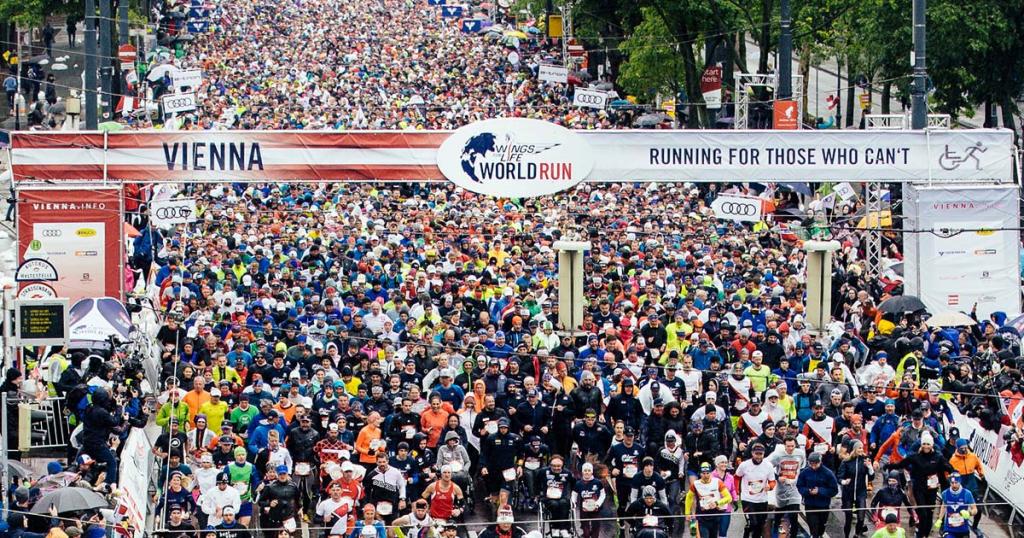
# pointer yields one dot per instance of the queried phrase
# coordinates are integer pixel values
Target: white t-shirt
(754, 478)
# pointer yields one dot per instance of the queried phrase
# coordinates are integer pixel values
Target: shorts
(245, 509)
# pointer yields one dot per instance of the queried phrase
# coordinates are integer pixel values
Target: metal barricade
(42, 425)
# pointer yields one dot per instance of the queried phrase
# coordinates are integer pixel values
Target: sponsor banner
(589, 98)
(845, 191)
(970, 258)
(785, 115)
(471, 26)
(179, 102)
(187, 78)
(515, 158)
(553, 73)
(619, 155)
(78, 232)
(1002, 460)
(451, 12)
(133, 502)
(166, 213)
(711, 87)
(737, 208)
(99, 319)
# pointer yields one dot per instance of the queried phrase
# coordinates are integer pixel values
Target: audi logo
(169, 213)
(589, 99)
(179, 102)
(51, 233)
(736, 208)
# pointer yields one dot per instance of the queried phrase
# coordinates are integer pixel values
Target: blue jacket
(884, 428)
(821, 478)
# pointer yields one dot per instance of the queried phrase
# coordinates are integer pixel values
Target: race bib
(242, 487)
(933, 481)
(347, 501)
(887, 511)
(955, 520)
(590, 505)
(509, 474)
(666, 474)
(289, 524)
(302, 469)
(741, 404)
(554, 492)
(384, 508)
(456, 466)
(532, 464)
(820, 448)
(650, 521)
(410, 431)
(755, 486)
(629, 470)
(377, 444)
(709, 503)
(492, 427)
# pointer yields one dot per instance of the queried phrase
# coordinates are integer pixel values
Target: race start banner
(78, 231)
(608, 155)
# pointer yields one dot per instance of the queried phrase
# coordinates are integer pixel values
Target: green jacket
(167, 410)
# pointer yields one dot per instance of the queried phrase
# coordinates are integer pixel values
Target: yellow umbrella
(876, 219)
(515, 33)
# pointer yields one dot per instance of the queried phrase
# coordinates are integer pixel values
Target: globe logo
(476, 148)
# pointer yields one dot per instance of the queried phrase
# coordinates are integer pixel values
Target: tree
(654, 65)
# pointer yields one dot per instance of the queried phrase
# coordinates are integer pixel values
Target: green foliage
(654, 65)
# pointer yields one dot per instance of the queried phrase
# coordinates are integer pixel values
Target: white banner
(187, 78)
(965, 260)
(1003, 474)
(737, 208)
(617, 155)
(172, 212)
(589, 98)
(845, 191)
(179, 102)
(134, 482)
(553, 73)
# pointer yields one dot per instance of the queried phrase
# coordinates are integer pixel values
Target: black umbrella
(70, 500)
(901, 304)
(18, 469)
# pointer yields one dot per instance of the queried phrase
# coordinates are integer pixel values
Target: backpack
(78, 401)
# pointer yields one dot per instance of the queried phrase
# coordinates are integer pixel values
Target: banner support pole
(105, 148)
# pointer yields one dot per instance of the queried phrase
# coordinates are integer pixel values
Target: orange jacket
(890, 447)
(366, 435)
(432, 423)
(966, 464)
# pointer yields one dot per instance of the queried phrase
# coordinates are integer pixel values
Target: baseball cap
(282, 469)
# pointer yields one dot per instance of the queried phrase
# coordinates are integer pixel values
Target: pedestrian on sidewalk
(72, 28)
(49, 34)
(11, 87)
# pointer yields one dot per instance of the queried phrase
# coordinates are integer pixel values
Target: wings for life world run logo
(515, 157)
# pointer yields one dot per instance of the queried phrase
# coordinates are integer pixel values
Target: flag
(470, 26)
(451, 12)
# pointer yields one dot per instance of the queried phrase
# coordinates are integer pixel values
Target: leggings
(707, 525)
(591, 527)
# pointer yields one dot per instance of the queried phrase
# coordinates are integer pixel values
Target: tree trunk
(1008, 108)
(697, 117)
(850, 93)
(886, 97)
(765, 42)
(990, 120)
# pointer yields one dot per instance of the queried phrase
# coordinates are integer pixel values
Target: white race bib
(820, 448)
(955, 520)
(242, 487)
(554, 492)
(741, 404)
(650, 521)
(289, 524)
(384, 508)
(590, 505)
(887, 511)
(302, 469)
(531, 464)
(629, 470)
(492, 427)
(509, 474)
(709, 503)
(410, 431)
(456, 466)
(755, 486)
(933, 481)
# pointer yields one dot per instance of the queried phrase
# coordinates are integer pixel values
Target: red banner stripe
(157, 174)
(297, 139)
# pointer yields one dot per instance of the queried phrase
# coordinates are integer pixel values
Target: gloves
(938, 523)
(966, 514)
